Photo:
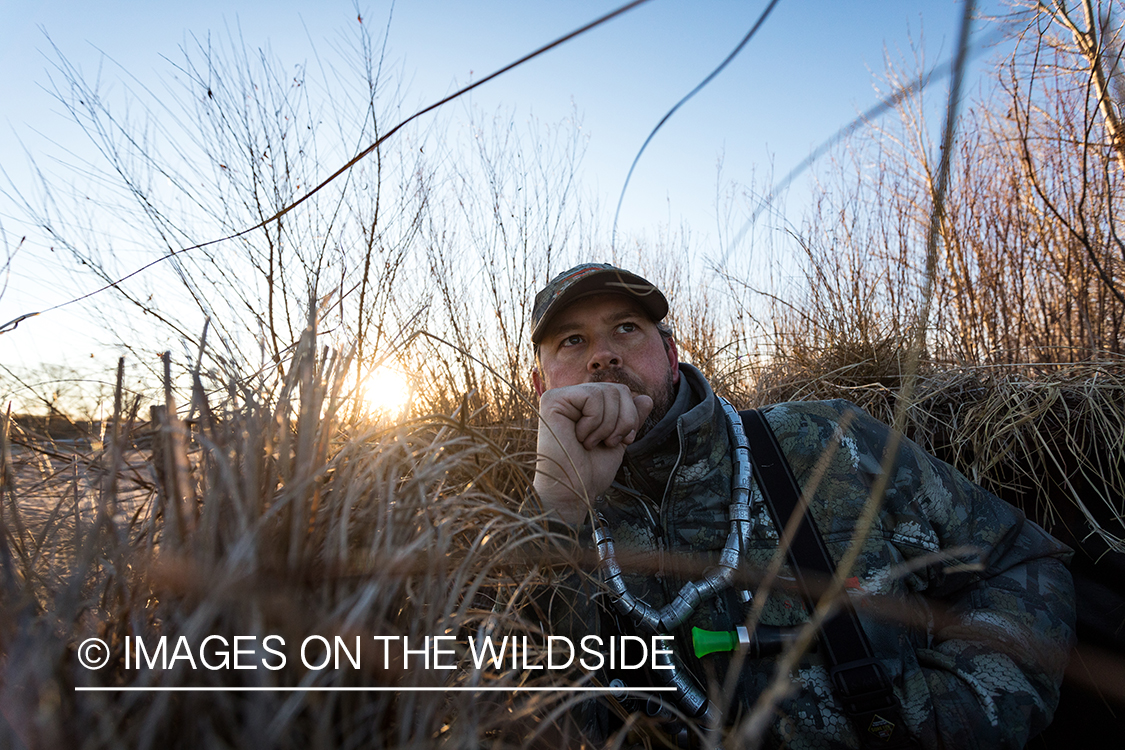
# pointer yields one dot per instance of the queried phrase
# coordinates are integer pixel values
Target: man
(635, 444)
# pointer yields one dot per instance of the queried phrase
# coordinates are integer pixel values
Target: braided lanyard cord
(660, 622)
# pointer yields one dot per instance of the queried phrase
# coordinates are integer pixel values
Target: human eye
(627, 327)
(572, 340)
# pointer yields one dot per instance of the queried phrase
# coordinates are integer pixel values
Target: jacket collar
(692, 419)
(693, 407)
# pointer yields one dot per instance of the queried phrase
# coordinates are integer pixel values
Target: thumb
(644, 408)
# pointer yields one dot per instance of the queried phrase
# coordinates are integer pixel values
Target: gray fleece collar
(693, 404)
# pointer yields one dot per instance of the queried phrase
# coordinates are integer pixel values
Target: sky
(809, 71)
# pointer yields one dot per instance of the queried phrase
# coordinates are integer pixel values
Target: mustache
(618, 376)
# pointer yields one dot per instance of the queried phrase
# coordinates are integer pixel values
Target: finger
(626, 427)
(643, 405)
(609, 415)
(591, 407)
(630, 419)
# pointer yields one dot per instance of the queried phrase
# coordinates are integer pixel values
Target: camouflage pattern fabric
(977, 661)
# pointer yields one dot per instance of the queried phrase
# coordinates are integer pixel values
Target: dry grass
(1049, 439)
(289, 521)
(287, 518)
(275, 511)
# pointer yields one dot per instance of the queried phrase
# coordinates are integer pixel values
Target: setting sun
(385, 391)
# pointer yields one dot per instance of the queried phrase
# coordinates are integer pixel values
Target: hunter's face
(608, 338)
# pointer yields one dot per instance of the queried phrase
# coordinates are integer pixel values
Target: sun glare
(385, 391)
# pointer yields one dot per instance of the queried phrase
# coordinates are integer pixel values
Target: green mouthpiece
(710, 641)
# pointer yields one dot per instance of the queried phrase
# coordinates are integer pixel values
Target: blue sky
(808, 72)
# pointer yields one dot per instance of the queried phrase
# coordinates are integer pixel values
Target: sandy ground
(59, 488)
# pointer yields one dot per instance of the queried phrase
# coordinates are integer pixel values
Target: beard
(662, 397)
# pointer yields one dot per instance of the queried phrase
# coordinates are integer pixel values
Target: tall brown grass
(265, 504)
(287, 519)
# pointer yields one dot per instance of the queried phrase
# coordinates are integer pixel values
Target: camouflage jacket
(982, 658)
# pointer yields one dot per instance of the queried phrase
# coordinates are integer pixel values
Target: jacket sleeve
(990, 664)
(983, 664)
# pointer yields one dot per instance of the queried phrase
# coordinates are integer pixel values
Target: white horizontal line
(491, 689)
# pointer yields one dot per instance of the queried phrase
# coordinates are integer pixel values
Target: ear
(674, 361)
(537, 381)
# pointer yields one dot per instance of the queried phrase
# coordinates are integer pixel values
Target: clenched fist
(583, 432)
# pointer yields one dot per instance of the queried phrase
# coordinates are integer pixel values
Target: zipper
(646, 505)
(663, 510)
(660, 545)
(675, 467)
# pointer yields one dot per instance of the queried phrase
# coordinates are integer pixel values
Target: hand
(583, 432)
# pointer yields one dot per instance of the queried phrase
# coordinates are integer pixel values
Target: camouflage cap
(588, 279)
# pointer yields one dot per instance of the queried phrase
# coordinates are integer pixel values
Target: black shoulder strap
(858, 679)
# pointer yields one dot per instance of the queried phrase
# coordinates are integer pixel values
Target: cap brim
(608, 281)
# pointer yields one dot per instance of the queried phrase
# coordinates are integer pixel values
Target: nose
(602, 356)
